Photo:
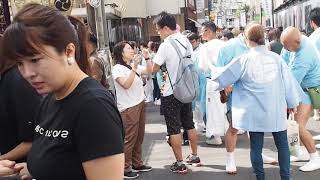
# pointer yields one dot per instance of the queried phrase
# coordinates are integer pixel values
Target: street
(158, 154)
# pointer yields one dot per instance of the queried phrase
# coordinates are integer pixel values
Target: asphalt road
(158, 154)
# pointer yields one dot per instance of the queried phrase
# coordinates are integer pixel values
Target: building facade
(132, 20)
(294, 13)
(227, 13)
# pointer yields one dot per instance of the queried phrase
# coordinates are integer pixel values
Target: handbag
(314, 93)
(293, 135)
(223, 97)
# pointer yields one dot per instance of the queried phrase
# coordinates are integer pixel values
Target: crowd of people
(59, 121)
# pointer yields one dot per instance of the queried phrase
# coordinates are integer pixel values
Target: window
(229, 12)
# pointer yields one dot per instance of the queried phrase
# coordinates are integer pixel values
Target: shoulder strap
(175, 46)
(181, 44)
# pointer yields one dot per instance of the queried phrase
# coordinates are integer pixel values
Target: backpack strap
(181, 43)
(175, 46)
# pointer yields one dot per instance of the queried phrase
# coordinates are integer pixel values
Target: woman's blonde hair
(255, 32)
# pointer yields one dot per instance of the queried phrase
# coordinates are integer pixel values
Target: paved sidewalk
(158, 154)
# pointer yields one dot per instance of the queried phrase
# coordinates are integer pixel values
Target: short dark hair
(144, 44)
(274, 34)
(193, 36)
(211, 25)
(133, 44)
(315, 16)
(155, 46)
(228, 35)
(165, 19)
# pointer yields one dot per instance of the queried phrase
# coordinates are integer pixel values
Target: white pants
(148, 90)
(217, 123)
(198, 116)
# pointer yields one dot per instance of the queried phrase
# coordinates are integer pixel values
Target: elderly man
(303, 59)
(315, 40)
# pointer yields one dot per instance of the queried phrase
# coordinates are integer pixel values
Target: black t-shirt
(18, 104)
(83, 126)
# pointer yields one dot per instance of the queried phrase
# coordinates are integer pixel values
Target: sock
(230, 154)
(314, 155)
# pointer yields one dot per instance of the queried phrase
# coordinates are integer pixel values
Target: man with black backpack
(179, 89)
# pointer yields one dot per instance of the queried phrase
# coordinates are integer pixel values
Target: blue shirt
(263, 90)
(202, 81)
(233, 49)
(304, 64)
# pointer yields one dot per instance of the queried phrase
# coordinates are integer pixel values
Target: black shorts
(177, 115)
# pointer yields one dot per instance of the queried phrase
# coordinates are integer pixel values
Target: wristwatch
(147, 59)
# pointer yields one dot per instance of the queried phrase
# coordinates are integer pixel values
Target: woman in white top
(130, 101)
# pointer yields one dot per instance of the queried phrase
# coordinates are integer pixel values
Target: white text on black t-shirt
(52, 133)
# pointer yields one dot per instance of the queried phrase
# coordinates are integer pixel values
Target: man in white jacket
(216, 119)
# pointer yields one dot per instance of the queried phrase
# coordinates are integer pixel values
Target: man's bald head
(291, 39)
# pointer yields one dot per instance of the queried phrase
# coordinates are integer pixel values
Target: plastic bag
(293, 135)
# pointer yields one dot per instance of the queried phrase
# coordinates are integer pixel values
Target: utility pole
(98, 24)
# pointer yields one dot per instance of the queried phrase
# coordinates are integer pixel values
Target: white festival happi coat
(217, 123)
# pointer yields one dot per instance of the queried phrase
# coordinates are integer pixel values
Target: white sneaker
(214, 141)
(157, 102)
(301, 158)
(231, 167)
(312, 165)
(293, 159)
(268, 160)
(316, 115)
(317, 138)
(316, 118)
(318, 146)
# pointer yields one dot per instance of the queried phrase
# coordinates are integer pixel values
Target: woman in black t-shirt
(78, 129)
